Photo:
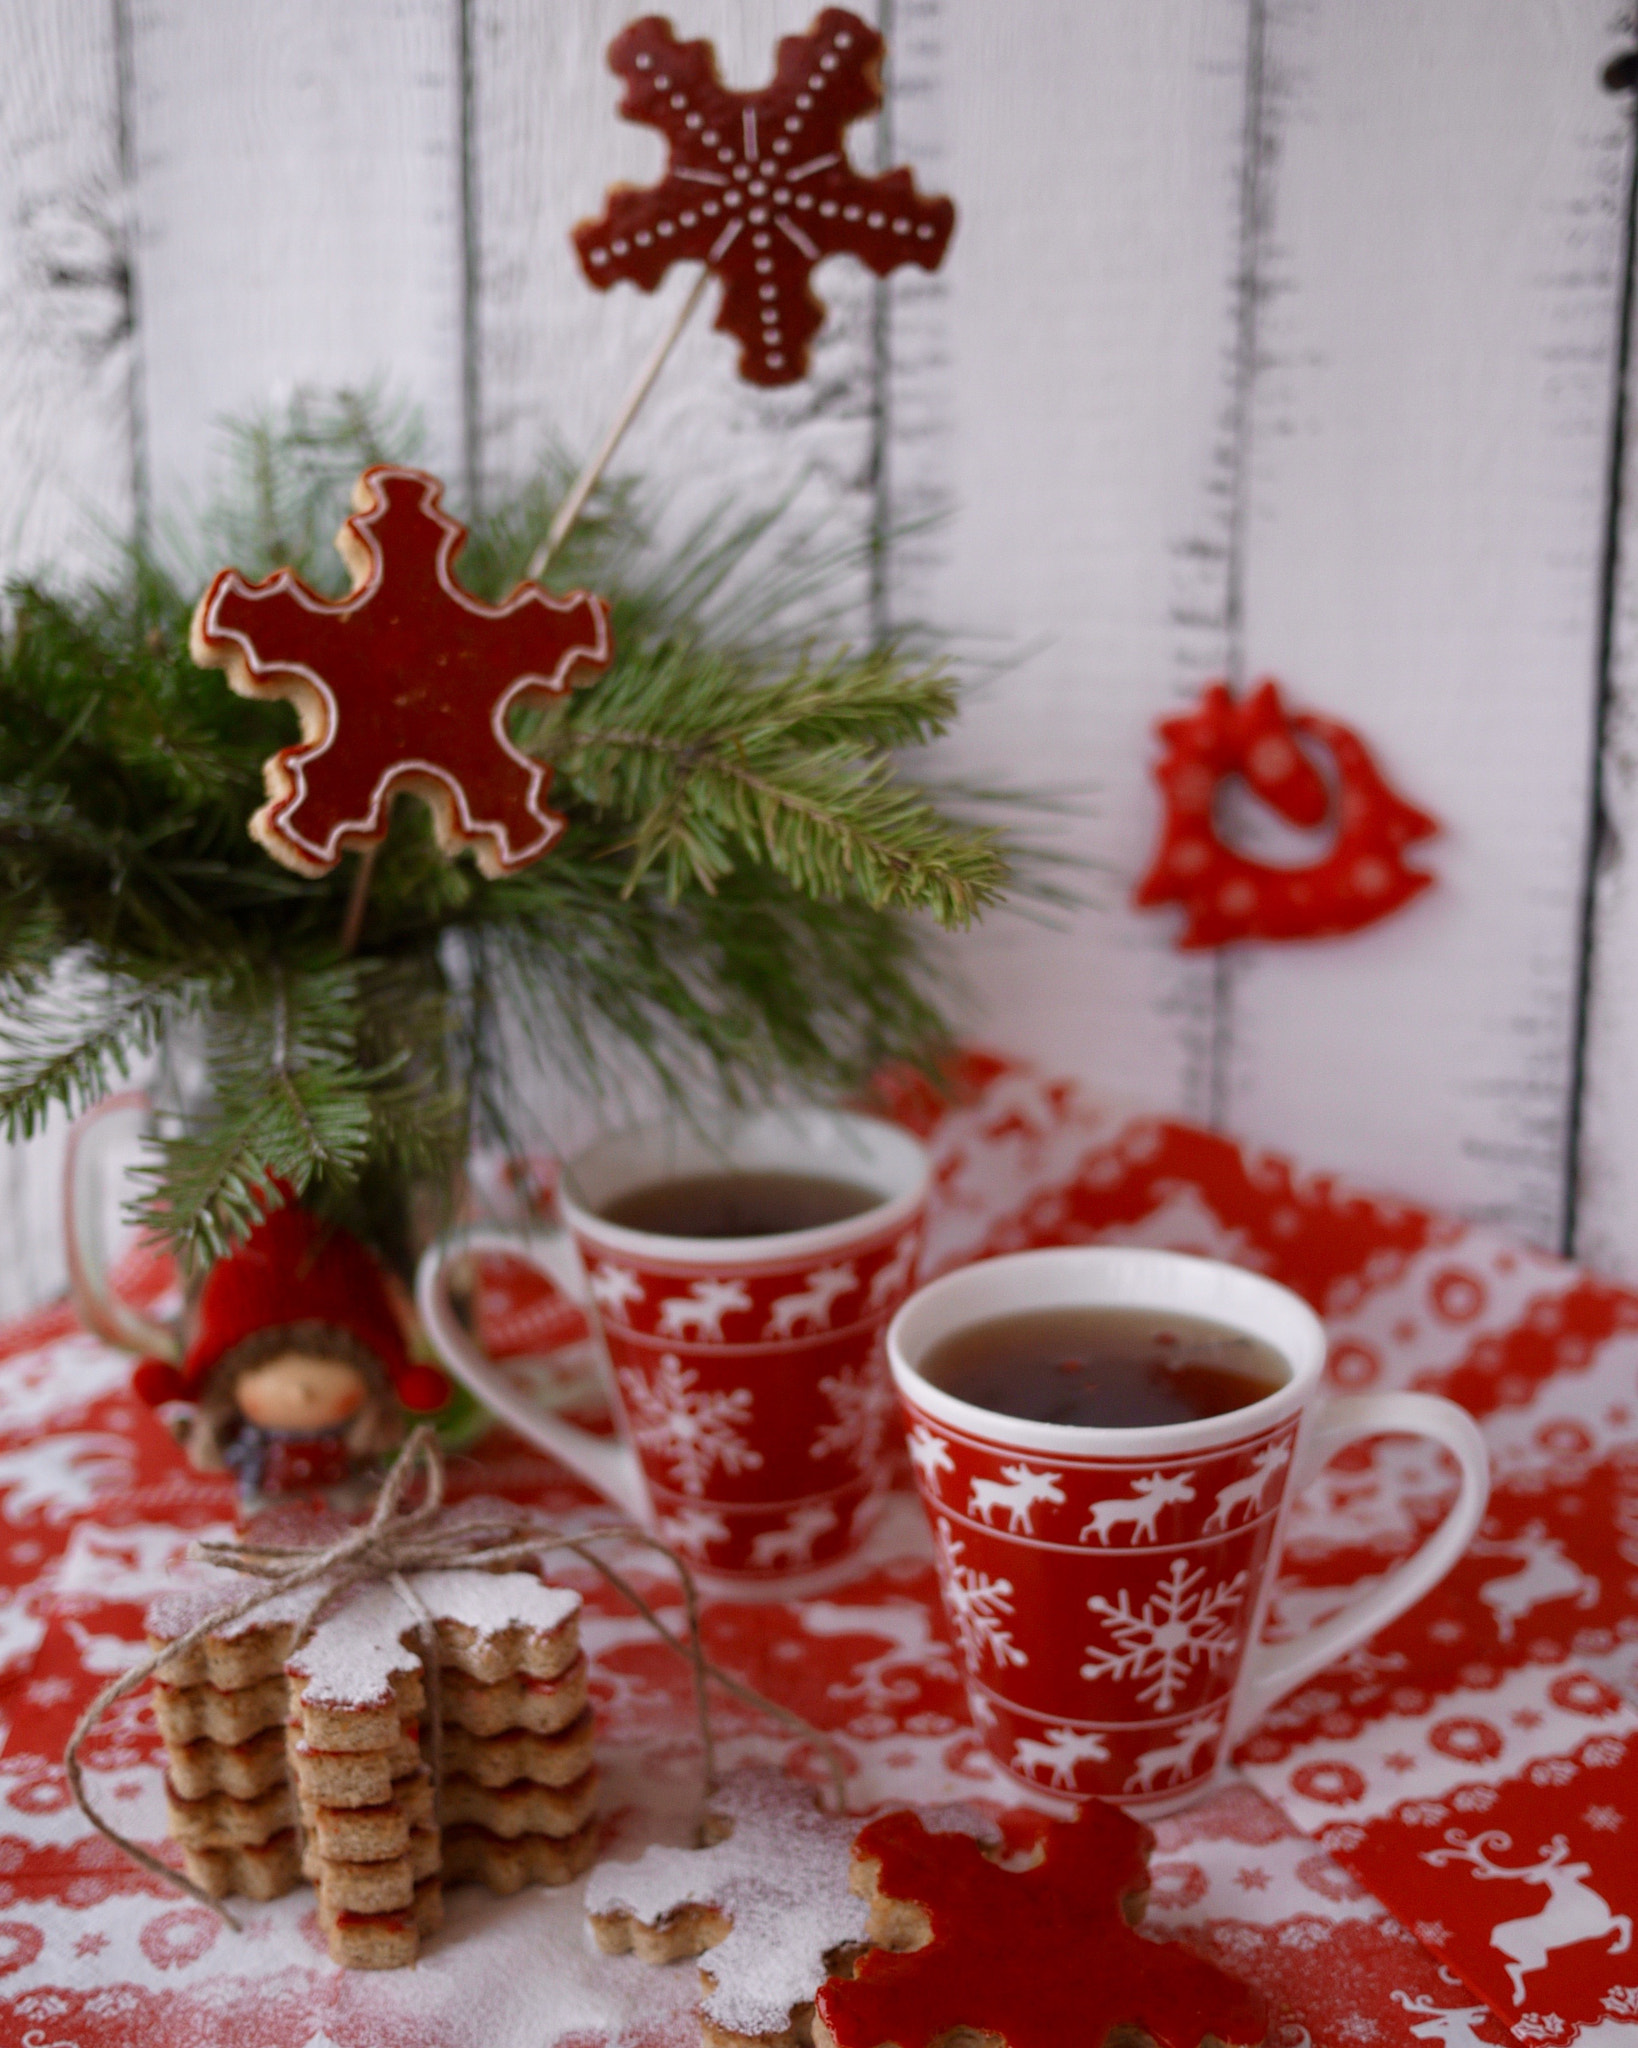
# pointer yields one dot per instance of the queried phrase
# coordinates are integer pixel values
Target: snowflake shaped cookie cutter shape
(407, 683)
(765, 1899)
(1184, 1625)
(1039, 1957)
(690, 1428)
(758, 186)
(1228, 897)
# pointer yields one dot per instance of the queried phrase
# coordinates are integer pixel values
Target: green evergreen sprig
(737, 900)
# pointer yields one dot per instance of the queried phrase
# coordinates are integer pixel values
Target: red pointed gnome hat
(294, 1268)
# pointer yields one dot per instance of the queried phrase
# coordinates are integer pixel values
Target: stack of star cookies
(286, 1762)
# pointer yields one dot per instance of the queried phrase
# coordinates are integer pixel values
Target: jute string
(402, 1537)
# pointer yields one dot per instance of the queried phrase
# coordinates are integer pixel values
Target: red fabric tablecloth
(1485, 1729)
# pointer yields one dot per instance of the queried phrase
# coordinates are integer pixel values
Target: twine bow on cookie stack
(403, 1536)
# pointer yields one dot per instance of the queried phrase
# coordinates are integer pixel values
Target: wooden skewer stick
(569, 511)
(352, 922)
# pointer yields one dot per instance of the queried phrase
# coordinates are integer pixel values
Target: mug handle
(1272, 1669)
(609, 1465)
(85, 1168)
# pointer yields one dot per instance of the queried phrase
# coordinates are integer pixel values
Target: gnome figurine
(296, 1372)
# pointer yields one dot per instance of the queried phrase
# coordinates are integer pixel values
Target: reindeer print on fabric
(1574, 1912)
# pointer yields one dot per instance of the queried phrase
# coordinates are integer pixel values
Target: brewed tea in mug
(745, 1204)
(1104, 1368)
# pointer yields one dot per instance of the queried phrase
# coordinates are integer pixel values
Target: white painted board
(297, 206)
(1076, 424)
(1438, 288)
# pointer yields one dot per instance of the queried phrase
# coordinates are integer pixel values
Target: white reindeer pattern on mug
(1251, 1492)
(1176, 1759)
(813, 1306)
(1020, 1490)
(700, 1311)
(1150, 1493)
(792, 1544)
(1059, 1753)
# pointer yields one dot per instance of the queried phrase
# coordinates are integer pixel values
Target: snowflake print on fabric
(684, 1426)
(758, 187)
(1183, 1624)
(976, 1604)
(862, 1404)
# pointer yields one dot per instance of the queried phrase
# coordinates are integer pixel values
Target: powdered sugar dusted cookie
(266, 1727)
(767, 1898)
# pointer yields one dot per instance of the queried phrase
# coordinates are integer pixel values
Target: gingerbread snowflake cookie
(766, 1899)
(1043, 1957)
(759, 187)
(408, 683)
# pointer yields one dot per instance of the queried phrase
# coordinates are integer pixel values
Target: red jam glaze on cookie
(1041, 1958)
(407, 683)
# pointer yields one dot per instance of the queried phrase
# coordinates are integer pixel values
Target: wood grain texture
(1068, 400)
(66, 446)
(1437, 281)
(65, 350)
(557, 356)
(298, 215)
(1605, 1189)
(1277, 336)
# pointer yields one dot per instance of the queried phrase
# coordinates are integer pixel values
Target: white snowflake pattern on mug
(976, 1603)
(690, 1429)
(1181, 1626)
(861, 1402)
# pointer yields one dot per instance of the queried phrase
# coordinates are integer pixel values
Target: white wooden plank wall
(1431, 403)
(1278, 336)
(1085, 448)
(555, 357)
(69, 462)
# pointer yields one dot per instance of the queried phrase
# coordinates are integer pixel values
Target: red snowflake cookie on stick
(759, 187)
(1227, 895)
(1044, 1957)
(407, 683)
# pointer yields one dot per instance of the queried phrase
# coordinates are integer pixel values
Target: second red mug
(748, 1373)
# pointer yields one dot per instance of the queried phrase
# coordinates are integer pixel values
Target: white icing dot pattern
(746, 165)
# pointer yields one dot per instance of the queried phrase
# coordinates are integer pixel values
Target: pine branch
(59, 1055)
(728, 907)
(288, 1102)
(793, 771)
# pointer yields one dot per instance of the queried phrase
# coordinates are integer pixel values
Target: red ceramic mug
(1107, 1586)
(747, 1374)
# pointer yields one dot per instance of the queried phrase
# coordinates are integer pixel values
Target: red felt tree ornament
(1230, 897)
(407, 683)
(758, 186)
